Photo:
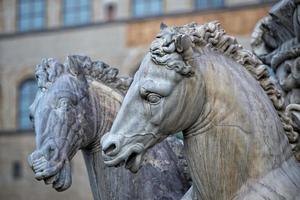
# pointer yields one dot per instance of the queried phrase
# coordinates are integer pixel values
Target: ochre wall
(238, 22)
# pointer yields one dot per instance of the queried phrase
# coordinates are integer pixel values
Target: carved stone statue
(75, 105)
(199, 80)
(276, 41)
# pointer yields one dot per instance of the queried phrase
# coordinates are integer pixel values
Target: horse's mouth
(134, 162)
(132, 158)
(56, 173)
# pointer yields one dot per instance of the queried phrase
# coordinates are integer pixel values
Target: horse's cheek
(157, 113)
(71, 117)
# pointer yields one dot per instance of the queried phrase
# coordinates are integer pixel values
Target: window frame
(197, 7)
(64, 11)
(31, 28)
(133, 11)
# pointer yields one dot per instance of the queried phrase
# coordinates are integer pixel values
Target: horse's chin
(134, 162)
(63, 178)
(56, 173)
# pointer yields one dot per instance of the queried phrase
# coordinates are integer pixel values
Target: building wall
(241, 24)
(17, 148)
(1, 17)
(1, 100)
(176, 6)
(19, 61)
(97, 10)
(54, 13)
(9, 15)
(123, 9)
(239, 2)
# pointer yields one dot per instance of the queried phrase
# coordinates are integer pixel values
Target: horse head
(157, 102)
(61, 114)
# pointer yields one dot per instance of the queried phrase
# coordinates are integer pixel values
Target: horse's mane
(50, 69)
(211, 35)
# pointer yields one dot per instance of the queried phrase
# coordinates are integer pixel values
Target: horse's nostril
(109, 149)
(51, 152)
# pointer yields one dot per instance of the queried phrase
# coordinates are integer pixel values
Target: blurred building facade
(117, 32)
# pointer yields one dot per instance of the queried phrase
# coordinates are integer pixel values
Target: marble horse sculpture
(75, 105)
(276, 41)
(199, 80)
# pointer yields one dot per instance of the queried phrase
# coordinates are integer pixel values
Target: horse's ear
(183, 43)
(75, 65)
(163, 26)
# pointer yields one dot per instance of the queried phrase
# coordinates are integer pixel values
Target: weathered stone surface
(162, 177)
(276, 41)
(199, 80)
(75, 105)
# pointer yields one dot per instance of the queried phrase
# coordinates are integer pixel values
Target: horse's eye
(63, 102)
(159, 36)
(153, 98)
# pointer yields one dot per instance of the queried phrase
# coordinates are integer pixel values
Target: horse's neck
(106, 103)
(109, 103)
(94, 165)
(238, 135)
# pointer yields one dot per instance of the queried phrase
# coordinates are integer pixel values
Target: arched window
(27, 91)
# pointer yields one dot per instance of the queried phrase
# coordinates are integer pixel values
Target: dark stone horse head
(57, 113)
(64, 114)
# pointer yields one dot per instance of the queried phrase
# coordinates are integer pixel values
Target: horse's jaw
(131, 157)
(64, 178)
(57, 173)
(134, 162)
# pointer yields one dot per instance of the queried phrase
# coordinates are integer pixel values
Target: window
(202, 4)
(16, 170)
(143, 8)
(31, 15)
(77, 12)
(110, 12)
(27, 93)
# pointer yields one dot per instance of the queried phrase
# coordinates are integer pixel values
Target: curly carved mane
(173, 48)
(50, 69)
